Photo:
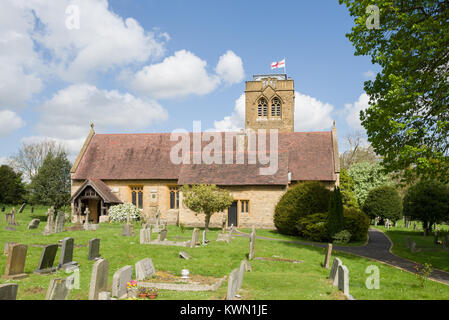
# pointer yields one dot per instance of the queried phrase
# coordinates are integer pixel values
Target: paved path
(377, 248)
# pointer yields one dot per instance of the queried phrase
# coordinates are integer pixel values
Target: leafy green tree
(384, 202)
(12, 188)
(428, 202)
(206, 199)
(335, 220)
(51, 185)
(347, 190)
(407, 121)
(367, 176)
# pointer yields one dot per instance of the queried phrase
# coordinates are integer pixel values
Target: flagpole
(285, 67)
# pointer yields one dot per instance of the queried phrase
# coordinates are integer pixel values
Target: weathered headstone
(252, 242)
(120, 279)
(184, 255)
(34, 224)
(233, 282)
(242, 271)
(128, 230)
(12, 217)
(6, 248)
(195, 235)
(413, 247)
(328, 255)
(66, 258)
(59, 225)
(333, 276)
(162, 236)
(47, 259)
(144, 269)
(8, 291)
(15, 263)
(49, 227)
(86, 219)
(226, 237)
(145, 236)
(205, 241)
(22, 207)
(94, 249)
(99, 278)
(104, 295)
(343, 279)
(58, 290)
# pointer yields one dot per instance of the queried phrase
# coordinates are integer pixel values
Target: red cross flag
(279, 64)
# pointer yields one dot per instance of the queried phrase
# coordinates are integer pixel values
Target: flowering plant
(119, 213)
(131, 284)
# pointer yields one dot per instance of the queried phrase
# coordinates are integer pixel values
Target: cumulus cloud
(9, 122)
(312, 114)
(67, 115)
(352, 111)
(236, 120)
(230, 68)
(370, 74)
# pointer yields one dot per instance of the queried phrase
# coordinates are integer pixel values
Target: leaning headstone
(233, 281)
(66, 258)
(8, 291)
(22, 207)
(34, 224)
(195, 235)
(343, 279)
(242, 271)
(59, 224)
(252, 241)
(47, 259)
(99, 278)
(58, 290)
(184, 255)
(327, 258)
(144, 269)
(333, 276)
(120, 279)
(15, 263)
(94, 249)
(49, 227)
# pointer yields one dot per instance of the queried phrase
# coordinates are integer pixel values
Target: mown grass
(270, 280)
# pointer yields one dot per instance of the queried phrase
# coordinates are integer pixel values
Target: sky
(156, 66)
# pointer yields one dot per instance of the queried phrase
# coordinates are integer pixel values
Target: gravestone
(6, 248)
(407, 242)
(32, 210)
(145, 236)
(22, 207)
(184, 255)
(162, 236)
(99, 278)
(49, 227)
(328, 255)
(413, 247)
(58, 290)
(195, 235)
(66, 258)
(128, 230)
(252, 241)
(333, 276)
(144, 269)
(242, 271)
(12, 218)
(8, 291)
(104, 295)
(59, 224)
(47, 259)
(94, 249)
(226, 237)
(15, 263)
(233, 282)
(8, 217)
(34, 224)
(120, 279)
(343, 279)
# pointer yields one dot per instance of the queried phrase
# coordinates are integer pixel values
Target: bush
(357, 223)
(119, 213)
(384, 202)
(313, 227)
(335, 221)
(342, 237)
(299, 201)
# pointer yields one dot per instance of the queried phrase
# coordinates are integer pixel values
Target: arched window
(137, 196)
(276, 108)
(262, 108)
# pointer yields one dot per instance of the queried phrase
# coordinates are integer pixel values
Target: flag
(279, 64)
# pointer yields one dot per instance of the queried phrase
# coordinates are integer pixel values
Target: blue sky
(172, 63)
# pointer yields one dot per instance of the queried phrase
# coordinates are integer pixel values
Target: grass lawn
(270, 280)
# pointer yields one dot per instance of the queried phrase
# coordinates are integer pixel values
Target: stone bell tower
(270, 103)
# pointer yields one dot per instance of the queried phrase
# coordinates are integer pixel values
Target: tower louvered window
(276, 108)
(262, 108)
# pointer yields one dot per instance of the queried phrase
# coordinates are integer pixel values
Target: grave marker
(47, 259)
(333, 276)
(195, 235)
(8, 291)
(66, 257)
(252, 241)
(233, 281)
(144, 269)
(59, 224)
(57, 290)
(34, 224)
(120, 279)
(328, 255)
(99, 278)
(15, 263)
(343, 279)
(94, 249)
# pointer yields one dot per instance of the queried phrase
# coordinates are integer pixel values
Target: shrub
(313, 227)
(357, 223)
(119, 213)
(342, 237)
(384, 202)
(347, 190)
(335, 222)
(299, 201)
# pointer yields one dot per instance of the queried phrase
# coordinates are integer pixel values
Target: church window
(137, 196)
(174, 197)
(262, 108)
(276, 108)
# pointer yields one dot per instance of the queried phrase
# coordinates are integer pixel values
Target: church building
(139, 168)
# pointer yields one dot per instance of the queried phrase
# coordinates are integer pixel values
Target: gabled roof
(307, 155)
(101, 188)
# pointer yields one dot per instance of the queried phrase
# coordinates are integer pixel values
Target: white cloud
(66, 117)
(370, 74)
(230, 68)
(178, 75)
(9, 122)
(103, 41)
(352, 111)
(236, 120)
(312, 114)
(3, 160)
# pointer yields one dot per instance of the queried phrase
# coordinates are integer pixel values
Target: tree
(384, 202)
(51, 185)
(12, 189)
(206, 199)
(347, 190)
(335, 220)
(407, 121)
(31, 156)
(428, 202)
(357, 151)
(367, 176)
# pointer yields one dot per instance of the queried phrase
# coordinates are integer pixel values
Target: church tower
(270, 103)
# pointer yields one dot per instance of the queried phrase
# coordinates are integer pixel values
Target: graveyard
(236, 269)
